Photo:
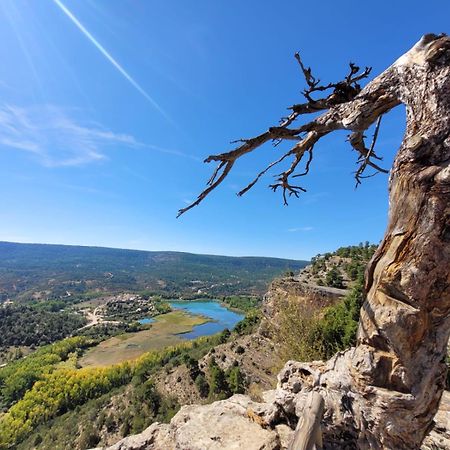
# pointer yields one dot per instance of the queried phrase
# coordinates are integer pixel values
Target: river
(220, 316)
(166, 330)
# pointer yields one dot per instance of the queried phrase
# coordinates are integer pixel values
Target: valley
(49, 292)
(187, 320)
(134, 358)
(164, 331)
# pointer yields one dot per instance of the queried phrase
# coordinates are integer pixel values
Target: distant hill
(51, 271)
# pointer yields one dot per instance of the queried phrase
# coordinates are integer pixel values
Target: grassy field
(162, 332)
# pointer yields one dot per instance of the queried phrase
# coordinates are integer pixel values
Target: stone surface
(153, 437)
(227, 424)
(240, 423)
(439, 436)
(311, 296)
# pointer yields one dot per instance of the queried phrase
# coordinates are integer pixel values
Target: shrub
(249, 324)
(218, 386)
(202, 385)
(297, 332)
(334, 279)
(89, 438)
(239, 350)
(306, 334)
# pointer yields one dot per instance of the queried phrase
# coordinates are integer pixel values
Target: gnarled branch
(346, 107)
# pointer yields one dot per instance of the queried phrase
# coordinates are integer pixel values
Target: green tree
(202, 385)
(334, 279)
(236, 381)
(218, 386)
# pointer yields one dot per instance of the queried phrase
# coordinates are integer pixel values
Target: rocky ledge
(313, 297)
(240, 423)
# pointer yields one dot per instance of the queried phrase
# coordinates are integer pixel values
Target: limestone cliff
(299, 290)
(240, 423)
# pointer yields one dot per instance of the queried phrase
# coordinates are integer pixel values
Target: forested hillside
(32, 326)
(104, 404)
(50, 402)
(51, 271)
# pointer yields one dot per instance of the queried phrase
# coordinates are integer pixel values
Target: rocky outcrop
(292, 289)
(439, 436)
(226, 424)
(240, 423)
(257, 355)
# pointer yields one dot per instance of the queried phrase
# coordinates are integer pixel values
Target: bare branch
(344, 90)
(212, 186)
(346, 107)
(287, 188)
(250, 185)
(216, 171)
(375, 136)
(308, 163)
(357, 141)
(305, 145)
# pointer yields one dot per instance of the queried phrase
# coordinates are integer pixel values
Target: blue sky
(108, 107)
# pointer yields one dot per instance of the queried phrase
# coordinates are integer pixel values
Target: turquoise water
(146, 320)
(221, 317)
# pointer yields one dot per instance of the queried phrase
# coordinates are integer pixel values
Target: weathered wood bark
(405, 321)
(391, 383)
(308, 434)
(385, 392)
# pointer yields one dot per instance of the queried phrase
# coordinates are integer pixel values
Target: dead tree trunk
(405, 321)
(308, 435)
(384, 392)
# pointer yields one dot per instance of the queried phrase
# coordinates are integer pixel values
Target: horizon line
(149, 251)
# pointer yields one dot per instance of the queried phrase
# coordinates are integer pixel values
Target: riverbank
(188, 320)
(166, 330)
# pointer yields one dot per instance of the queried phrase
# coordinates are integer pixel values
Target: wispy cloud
(55, 138)
(112, 60)
(299, 229)
(87, 190)
(171, 151)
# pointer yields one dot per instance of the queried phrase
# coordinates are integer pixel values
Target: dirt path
(94, 318)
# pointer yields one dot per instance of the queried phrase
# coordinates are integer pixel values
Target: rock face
(240, 423)
(227, 424)
(311, 296)
(439, 436)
